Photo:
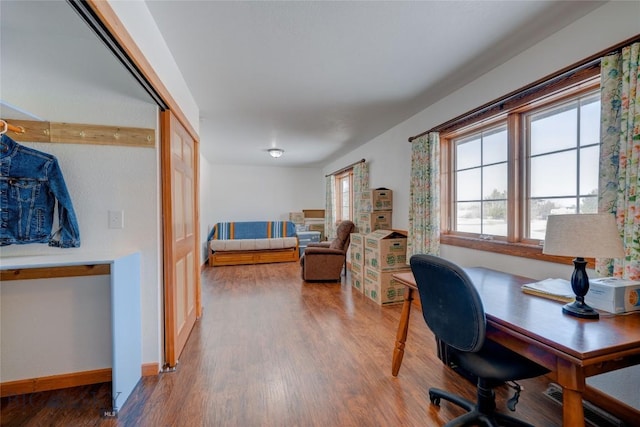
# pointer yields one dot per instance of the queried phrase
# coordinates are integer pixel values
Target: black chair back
(451, 305)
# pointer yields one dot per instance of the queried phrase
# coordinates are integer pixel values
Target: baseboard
(150, 369)
(75, 379)
(600, 409)
(620, 409)
(54, 382)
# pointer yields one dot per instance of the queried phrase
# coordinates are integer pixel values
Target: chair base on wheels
(482, 413)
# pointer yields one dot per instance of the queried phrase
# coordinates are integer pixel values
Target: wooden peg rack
(73, 133)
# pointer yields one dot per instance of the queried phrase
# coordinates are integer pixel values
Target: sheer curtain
(360, 187)
(424, 193)
(619, 186)
(330, 209)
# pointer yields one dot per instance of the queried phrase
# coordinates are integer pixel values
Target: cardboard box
(382, 199)
(313, 213)
(372, 221)
(357, 281)
(357, 239)
(357, 268)
(356, 249)
(385, 250)
(363, 228)
(614, 295)
(296, 217)
(381, 287)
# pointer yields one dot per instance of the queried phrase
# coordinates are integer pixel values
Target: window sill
(514, 249)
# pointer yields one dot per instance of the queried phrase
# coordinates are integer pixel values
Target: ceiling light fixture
(275, 152)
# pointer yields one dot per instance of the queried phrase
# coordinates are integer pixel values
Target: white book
(557, 289)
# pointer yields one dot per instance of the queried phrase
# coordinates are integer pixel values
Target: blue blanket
(252, 230)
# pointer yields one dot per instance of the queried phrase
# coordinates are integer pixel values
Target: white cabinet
(123, 315)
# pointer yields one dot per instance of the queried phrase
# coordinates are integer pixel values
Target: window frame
(515, 243)
(339, 178)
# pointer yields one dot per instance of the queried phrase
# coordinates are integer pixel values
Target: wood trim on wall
(619, 409)
(53, 272)
(75, 379)
(54, 382)
(72, 133)
(150, 369)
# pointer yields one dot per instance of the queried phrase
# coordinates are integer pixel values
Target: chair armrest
(318, 244)
(317, 250)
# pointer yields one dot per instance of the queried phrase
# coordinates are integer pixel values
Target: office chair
(453, 310)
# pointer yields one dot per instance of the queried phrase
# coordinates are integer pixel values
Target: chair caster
(434, 399)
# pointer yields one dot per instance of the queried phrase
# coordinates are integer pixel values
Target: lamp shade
(583, 235)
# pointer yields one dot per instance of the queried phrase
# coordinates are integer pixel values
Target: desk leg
(572, 380)
(401, 336)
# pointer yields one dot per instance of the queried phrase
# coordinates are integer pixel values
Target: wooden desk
(572, 348)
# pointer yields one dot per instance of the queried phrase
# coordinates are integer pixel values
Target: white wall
(390, 153)
(606, 26)
(136, 18)
(250, 193)
(53, 85)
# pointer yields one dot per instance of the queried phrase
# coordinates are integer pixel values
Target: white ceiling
(319, 78)
(315, 78)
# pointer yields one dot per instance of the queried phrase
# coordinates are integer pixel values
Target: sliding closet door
(181, 246)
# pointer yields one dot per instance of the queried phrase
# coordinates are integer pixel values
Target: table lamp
(581, 236)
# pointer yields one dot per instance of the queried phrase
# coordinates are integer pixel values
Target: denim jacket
(30, 183)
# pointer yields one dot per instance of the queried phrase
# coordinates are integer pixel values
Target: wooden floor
(271, 350)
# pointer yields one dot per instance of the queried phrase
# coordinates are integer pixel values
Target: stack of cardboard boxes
(376, 207)
(298, 219)
(356, 256)
(309, 220)
(314, 221)
(375, 257)
(385, 253)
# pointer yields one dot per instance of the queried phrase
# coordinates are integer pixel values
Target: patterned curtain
(620, 156)
(360, 188)
(330, 209)
(424, 193)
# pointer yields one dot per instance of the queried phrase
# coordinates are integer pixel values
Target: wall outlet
(116, 219)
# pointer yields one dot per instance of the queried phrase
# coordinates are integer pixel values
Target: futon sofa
(252, 242)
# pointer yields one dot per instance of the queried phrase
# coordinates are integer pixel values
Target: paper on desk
(558, 289)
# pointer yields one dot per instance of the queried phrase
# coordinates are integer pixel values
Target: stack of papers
(556, 289)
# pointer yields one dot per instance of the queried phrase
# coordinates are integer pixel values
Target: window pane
(589, 170)
(494, 182)
(494, 218)
(468, 153)
(540, 209)
(589, 204)
(468, 217)
(494, 146)
(590, 122)
(554, 175)
(468, 185)
(555, 130)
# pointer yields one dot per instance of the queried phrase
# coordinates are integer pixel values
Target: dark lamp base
(580, 309)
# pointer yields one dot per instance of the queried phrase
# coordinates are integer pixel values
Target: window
(564, 145)
(481, 182)
(504, 174)
(344, 195)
